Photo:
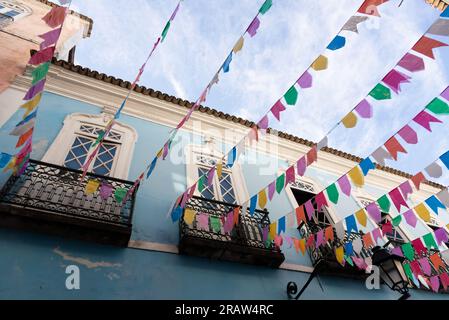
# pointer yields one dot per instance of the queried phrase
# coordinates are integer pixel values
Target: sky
(292, 34)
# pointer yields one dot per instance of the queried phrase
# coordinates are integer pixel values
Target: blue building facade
(153, 265)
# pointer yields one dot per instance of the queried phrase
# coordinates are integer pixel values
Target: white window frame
(11, 5)
(238, 180)
(61, 146)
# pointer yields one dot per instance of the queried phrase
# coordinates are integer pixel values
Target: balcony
(51, 199)
(245, 244)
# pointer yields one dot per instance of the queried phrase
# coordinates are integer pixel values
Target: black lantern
(391, 270)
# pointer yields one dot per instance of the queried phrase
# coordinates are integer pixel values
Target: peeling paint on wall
(86, 262)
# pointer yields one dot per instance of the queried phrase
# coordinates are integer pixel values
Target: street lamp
(391, 270)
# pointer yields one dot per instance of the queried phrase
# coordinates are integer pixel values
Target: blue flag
(445, 158)
(338, 43)
(366, 165)
(227, 63)
(435, 204)
(351, 224)
(253, 204)
(281, 225)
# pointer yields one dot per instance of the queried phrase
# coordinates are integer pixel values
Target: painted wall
(33, 265)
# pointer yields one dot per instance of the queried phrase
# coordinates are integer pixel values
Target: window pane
(105, 159)
(77, 154)
(12, 13)
(227, 189)
(208, 191)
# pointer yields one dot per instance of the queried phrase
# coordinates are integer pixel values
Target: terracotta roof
(81, 16)
(440, 4)
(219, 114)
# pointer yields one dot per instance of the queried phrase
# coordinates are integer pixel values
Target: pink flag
(105, 191)
(387, 228)
(320, 238)
(252, 29)
(376, 235)
(397, 251)
(425, 266)
(412, 63)
(55, 17)
(42, 56)
(271, 190)
(406, 189)
(419, 246)
(309, 209)
(34, 90)
(408, 134)
(397, 199)
(394, 79)
(364, 109)
(374, 212)
(360, 263)
(278, 241)
(290, 175)
(345, 185)
(321, 201)
(202, 221)
(263, 124)
(424, 119)
(165, 152)
(229, 223)
(277, 109)
(435, 283)
(305, 81)
(410, 218)
(301, 166)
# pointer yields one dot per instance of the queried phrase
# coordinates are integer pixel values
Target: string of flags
(366, 11)
(356, 176)
(250, 32)
(55, 19)
(96, 146)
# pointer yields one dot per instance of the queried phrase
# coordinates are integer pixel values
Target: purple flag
(252, 29)
(394, 79)
(306, 80)
(397, 251)
(173, 16)
(271, 189)
(364, 109)
(105, 191)
(309, 209)
(424, 119)
(441, 236)
(229, 222)
(50, 38)
(408, 134)
(34, 90)
(202, 221)
(263, 124)
(277, 109)
(412, 63)
(320, 238)
(374, 212)
(345, 185)
(435, 283)
(301, 166)
(445, 94)
(376, 235)
(425, 266)
(410, 218)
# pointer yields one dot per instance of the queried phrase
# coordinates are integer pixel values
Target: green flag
(215, 224)
(438, 106)
(408, 271)
(380, 92)
(291, 97)
(280, 183)
(120, 194)
(266, 6)
(396, 221)
(384, 203)
(409, 253)
(165, 31)
(40, 72)
(430, 241)
(201, 184)
(332, 193)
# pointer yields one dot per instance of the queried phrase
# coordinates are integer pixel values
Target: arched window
(79, 132)
(11, 10)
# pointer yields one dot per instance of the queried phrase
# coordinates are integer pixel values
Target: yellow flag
(340, 254)
(357, 177)
(273, 230)
(189, 216)
(91, 187)
(219, 170)
(262, 199)
(350, 121)
(31, 104)
(159, 154)
(361, 217)
(239, 45)
(320, 63)
(423, 212)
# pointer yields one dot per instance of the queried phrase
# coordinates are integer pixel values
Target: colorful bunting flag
(412, 63)
(380, 92)
(438, 106)
(356, 176)
(305, 81)
(384, 203)
(353, 22)
(332, 193)
(361, 217)
(253, 27)
(280, 183)
(410, 218)
(434, 170)
(426, 45)
(364, 109)
(277, 109)
(320, 63)
(394, 79)
(291, 96)
(350, 120)
(351, 224)
(435, 204)
(366, 165)
(337, 43)
(374, 212)
(417, 179)
(408, 134)
(397, 199)
(345, 185)
(440, 28)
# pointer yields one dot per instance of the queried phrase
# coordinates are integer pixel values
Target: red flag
(426, 45)
(394, 147)
(370, 7)
(417, 179)
(55, 17)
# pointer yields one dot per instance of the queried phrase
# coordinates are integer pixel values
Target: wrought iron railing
(248, 232)
(49, 188)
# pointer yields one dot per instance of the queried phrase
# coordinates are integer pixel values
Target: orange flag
(437, 262)
(329, 233)
(236, 215)
(370, 7)
(24, 137)
(367, 240)
(394, 147)
(300, 215)
(426, 45)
